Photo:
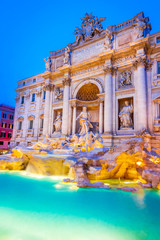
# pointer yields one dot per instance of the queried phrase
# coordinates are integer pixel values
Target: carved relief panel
(125, 79)
(58, 94)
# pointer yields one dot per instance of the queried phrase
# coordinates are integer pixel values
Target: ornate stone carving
(58, 94)
(141, 61)
(67, 55)
(149, 63)
(91, 26)
(48, 87)
(17, 98)
(88, 92)
(66, 82)
(31, 117)
(125, 79)
(110, 70)
(58, 123)
(108, 40)
(38, 93)
(139, 27)
(48, 64)
(84, 121)
(27, 96)
(125, 116)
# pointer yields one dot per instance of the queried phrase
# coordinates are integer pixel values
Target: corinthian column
(38, 98)
(65, 116)
(25, 122)
(48, 88)
(100, 116)
(74, 119)
(141, 94)
(108, 105)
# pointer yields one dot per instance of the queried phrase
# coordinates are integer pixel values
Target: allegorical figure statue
(48, 64)
(58, 122)
(108, 40)
(67, 55)
(140, 25)
(85, 123)
(125, 116)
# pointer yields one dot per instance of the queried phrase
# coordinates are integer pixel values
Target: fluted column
(36, 125)
(74, 119)
(141, 94)
(65, 115)
(100, 116)
(48, 88)
(25, 122)
(108, 105)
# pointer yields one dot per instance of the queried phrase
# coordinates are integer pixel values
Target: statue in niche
(125, 116)
(48, 64)
(140, 25)
(85, 123)
(58, 94)
(58, 122)
(125, 78)
(67, 55)
(108, 40)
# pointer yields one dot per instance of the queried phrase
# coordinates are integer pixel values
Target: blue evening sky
(30, 29)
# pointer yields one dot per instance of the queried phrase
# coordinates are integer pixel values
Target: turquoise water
(46, 209)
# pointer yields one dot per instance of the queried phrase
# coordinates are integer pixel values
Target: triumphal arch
(107, 82)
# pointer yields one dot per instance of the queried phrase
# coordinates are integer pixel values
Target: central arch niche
(88, 92)
(88, 96)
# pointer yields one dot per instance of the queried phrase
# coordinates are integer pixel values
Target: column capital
(48, 87)
(38, 93)
(66, 81)
(140, 62)
(149, 64)
(110, 70)
(17, 98)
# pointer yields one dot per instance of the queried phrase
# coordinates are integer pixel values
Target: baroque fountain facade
(97, 106)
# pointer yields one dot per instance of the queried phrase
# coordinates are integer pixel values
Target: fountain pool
(47, 209)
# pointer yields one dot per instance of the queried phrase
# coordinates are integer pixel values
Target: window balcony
(19, 133)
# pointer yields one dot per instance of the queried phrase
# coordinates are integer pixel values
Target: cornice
(123, 91)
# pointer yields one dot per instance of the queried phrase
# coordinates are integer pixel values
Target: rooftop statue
(108, 40)
(67, 55)
(48, 64)
(140, 26)
(90, 27)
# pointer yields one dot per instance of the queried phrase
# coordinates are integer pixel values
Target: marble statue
(125, 116)
(67, 55)
(47, 64)
(85, 123)
(58, 122)
(140, 25)
(108, 40)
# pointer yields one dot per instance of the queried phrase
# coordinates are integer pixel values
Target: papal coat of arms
(90, 27)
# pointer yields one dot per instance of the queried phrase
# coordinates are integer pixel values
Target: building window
(4, 115)
(41, 123)
(158, 39)
(11, 117)
(3, 134)
(4, 125)
(24, 83)
(22, 100)
(1, 142)
(8, 143)
(44, 95)
(158, 67)
(20, 125)
(31, 124)
(9, 135)
(34, 80)
(33, 97)
(11, 126)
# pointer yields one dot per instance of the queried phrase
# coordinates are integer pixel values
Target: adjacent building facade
(113, 72)
(6, 125)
